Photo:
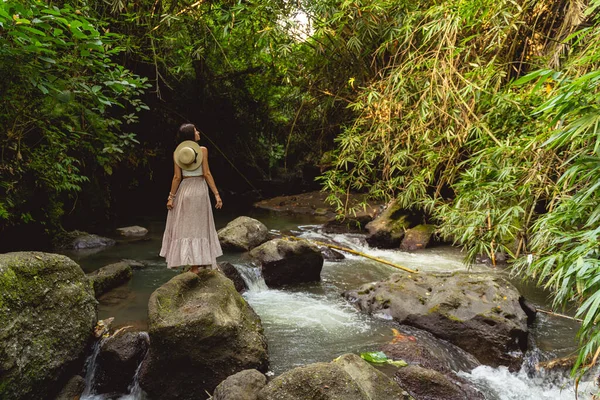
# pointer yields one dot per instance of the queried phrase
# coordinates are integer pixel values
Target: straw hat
(188, 155)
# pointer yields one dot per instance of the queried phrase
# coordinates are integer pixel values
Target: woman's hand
(219, 202)
(170, 204)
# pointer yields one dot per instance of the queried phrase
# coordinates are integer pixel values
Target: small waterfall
(253, 278)
(135, 391)
(90, 368)
(528, 383)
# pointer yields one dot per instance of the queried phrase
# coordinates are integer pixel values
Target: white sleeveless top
(197, 172)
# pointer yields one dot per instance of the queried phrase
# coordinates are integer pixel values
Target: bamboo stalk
(358, 253)
(558, 315)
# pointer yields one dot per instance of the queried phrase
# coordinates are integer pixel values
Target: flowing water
(313, 323)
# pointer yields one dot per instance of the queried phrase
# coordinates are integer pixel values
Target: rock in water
(78, 240)
(286, 262)
(417, 238)
(243, 234)
(387, 230)
(244, 385)
(347, 378)
(132, 231)
(232, 273)
(109, 277)
(425, 383)
(118, 360)
(201, 331)
(47, 314)
(479, 313)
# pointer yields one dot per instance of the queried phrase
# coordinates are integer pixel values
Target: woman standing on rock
(190, 237)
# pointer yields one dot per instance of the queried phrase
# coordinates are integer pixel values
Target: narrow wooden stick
(333, 246)
(558, 315)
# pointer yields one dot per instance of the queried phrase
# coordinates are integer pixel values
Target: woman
(190, 237)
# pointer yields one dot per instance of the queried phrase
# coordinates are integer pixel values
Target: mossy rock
(387, 230)
(201, 331)
(480, 313)
(243, 234)
(417, 238)
(109, 277)
(47, 314)
(346, 378)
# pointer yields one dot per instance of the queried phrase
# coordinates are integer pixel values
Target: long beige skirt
(190, 236)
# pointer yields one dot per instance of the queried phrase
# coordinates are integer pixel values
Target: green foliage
(60, 91)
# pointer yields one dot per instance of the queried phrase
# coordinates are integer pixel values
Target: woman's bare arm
(174, 184)
(209, 178)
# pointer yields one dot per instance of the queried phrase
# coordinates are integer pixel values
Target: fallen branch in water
(558, 315)
(333, 246)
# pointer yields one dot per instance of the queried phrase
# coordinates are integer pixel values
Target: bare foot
(194, 269)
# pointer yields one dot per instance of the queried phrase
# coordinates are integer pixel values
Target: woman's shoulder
(204, 149)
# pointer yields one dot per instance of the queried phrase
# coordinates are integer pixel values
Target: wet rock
(47, 314)
(134, 264)
(387, 230)
(232, 273)
(73, 389)
(350, 224)
(201, 331)
(286, 262)
(330, 254)
(418, 347)
(346, 378)
(109, 277)
(78, 240)
(244, 385)
(132, 231)
(499, 259)
(427, 384)
(118, 361)
(479, 313)
(243, 234)
(417, 238)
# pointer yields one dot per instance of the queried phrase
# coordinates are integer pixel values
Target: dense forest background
(481, 115)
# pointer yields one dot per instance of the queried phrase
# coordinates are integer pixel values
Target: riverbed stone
(229, 270)
(243, 234)
(244, 385)
(347, 378)
(73, 389)
(387, 229)
(201, 331)
(417, 238)
(132, 231)
(428, 384)
(288, 262)
(118, 360)
(331, 254)
(79, 240)
(109, 277)
(479, 313)
(47, 314)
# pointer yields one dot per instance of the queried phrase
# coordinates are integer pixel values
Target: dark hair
(186, 132)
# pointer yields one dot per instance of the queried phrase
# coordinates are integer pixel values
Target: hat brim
(197, 149)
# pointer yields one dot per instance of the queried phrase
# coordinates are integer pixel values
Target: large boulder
(244, 385)
(286, 262)
(428, 384)
(243, 234)
(201, 331)
(479, 313)
(109, 277)
(417, 238)
(346, 378)
(117, 361)
(387, 229)
(47, 315)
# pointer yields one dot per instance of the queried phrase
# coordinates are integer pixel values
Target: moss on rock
(47, 313)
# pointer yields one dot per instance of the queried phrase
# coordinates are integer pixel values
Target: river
(313, 323)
